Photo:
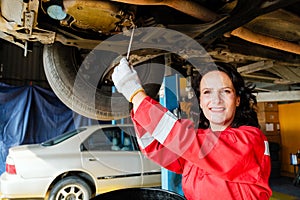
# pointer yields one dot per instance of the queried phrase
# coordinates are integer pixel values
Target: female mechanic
(227, 157)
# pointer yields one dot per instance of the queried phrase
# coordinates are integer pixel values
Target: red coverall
(231, 164)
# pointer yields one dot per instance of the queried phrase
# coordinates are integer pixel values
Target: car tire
(71, 187)
(62, 66)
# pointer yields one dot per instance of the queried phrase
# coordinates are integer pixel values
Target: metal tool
(130, 43)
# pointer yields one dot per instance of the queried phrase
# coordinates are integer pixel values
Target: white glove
(126, 80)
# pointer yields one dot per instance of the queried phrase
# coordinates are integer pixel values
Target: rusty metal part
(256, 38)
(12, 10)
(186, 6)
(99, 16)
(19, 23)
(20, 14)
(10, 32)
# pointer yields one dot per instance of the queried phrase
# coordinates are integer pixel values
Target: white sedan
(78, 165)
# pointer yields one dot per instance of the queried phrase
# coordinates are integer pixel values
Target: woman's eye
(227, 91)
(206, 92)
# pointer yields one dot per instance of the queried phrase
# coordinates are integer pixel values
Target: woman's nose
(216, 97)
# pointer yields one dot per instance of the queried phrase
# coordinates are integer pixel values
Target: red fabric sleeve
(156, 151)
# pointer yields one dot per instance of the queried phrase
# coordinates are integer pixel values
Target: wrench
(130, 43)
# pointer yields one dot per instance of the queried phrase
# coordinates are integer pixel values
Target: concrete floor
(284, 189)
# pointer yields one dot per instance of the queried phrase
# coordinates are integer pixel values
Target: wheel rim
(72, 192)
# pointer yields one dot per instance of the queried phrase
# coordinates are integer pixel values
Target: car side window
(109, 139)
(97, 141)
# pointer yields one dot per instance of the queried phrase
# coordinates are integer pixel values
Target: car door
(151, 171)
(112, 164)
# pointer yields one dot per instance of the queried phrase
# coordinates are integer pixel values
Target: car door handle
(92, 159)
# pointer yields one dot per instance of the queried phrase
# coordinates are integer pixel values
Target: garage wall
(289, 118)
(17, 69)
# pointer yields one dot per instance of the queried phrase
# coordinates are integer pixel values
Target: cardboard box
(267, 106)
(274, 138)
(268, 116)
(270, 128)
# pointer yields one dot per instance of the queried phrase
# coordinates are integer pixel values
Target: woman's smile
(217, 109)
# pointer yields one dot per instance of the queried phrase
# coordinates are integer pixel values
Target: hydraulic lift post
(169, 98)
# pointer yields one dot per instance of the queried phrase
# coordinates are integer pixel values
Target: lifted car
(260, 38)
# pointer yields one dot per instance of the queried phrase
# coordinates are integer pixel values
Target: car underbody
(260, 38)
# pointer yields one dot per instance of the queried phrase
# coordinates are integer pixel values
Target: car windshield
(62, 137)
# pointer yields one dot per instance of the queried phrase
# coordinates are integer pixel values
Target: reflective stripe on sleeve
(164, 127)
(267, 151)
(145, 140)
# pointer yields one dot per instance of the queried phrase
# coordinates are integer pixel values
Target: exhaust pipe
(275, 43)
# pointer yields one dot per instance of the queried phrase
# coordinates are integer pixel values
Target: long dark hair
(246, 111)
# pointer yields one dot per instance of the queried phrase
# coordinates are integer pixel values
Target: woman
(226, 158)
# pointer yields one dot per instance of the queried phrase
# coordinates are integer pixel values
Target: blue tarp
(31, 114)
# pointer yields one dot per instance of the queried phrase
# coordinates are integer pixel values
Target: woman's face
(218, 99)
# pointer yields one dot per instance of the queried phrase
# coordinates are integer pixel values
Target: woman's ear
(237, 102)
